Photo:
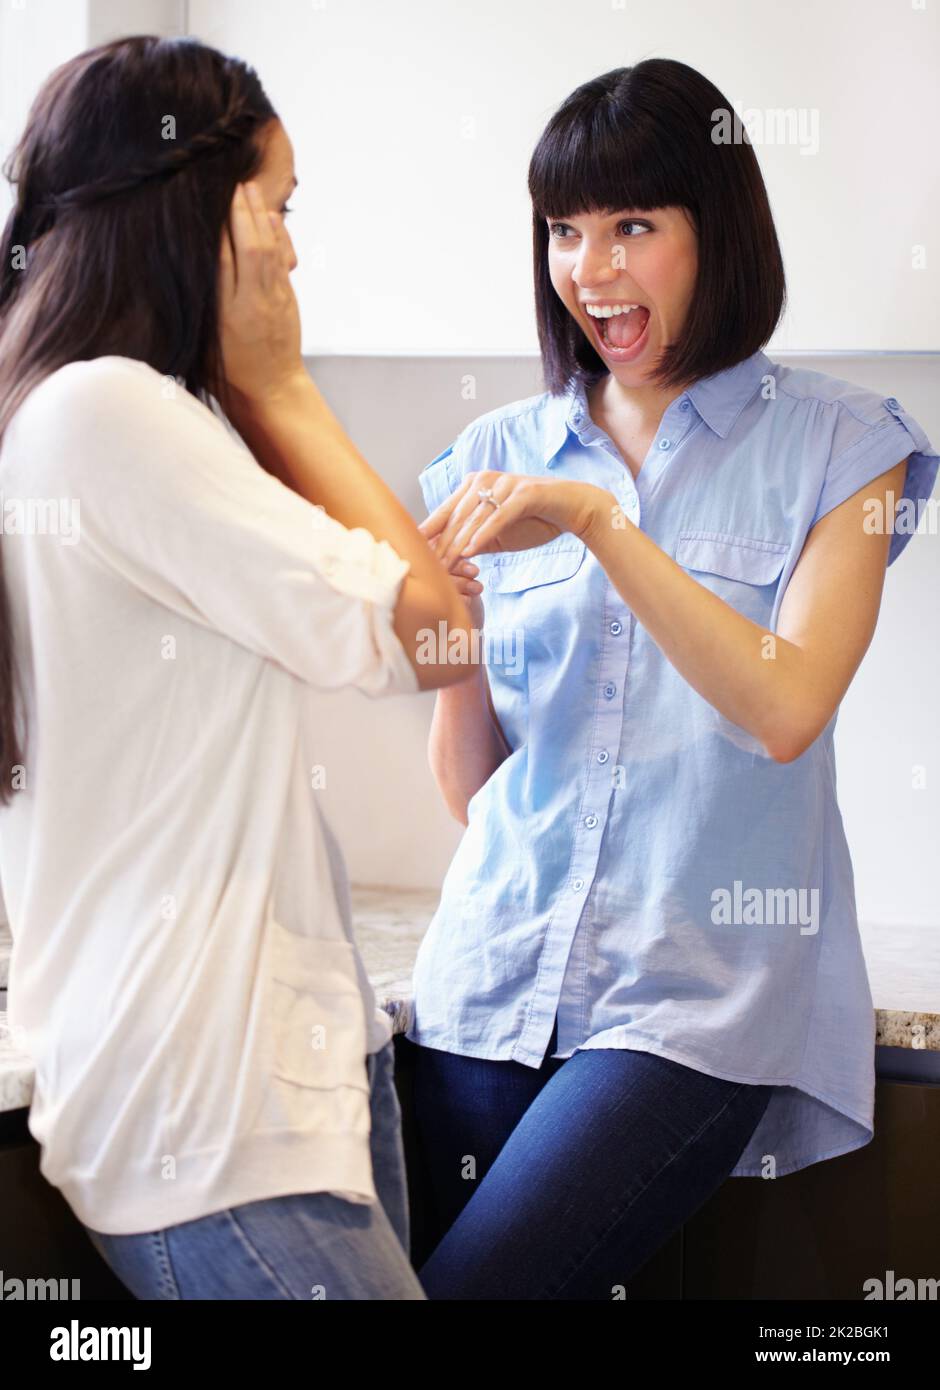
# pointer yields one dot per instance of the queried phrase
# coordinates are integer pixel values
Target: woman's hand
(531, 511)
(259, 322)
(464, 574)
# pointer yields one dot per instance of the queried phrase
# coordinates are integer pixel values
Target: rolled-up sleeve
(184, 513)
(866, 448)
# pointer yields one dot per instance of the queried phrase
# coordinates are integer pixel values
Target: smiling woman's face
(629, 257)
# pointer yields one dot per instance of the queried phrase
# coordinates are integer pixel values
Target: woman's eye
(286, 209)
(560, 230)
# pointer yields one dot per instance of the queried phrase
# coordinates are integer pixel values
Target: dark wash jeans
(585, 1166)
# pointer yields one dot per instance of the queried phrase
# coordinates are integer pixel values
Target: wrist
(295, 389)
(598, 517)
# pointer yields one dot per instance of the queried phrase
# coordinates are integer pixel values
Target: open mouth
(620, 330)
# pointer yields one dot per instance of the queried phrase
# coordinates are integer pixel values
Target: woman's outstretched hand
(531, 511)
(259, 321)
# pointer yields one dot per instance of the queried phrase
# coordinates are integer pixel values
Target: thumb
(277, 226)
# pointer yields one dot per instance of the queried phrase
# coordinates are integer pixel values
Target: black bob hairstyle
(641, 138)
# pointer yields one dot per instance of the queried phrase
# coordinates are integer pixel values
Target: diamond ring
(487, 494)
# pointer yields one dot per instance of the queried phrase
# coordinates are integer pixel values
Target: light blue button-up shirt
(639, 865)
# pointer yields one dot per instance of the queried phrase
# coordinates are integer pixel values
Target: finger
(469, 505)
(280, 237)
(477, 510)
(268, 252)
(244, 240)
(464, 568)
(456, 544)
(228, 249)
(249, 232)
(469, 588)
(262, 216)
(226, 265)
(434, 523)
(511, 510)
(461, 566)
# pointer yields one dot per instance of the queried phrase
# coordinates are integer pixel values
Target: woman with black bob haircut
(644, 975)
(643, 138)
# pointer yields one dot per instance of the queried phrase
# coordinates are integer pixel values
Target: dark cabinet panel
(823, 1232)
(40, 1237)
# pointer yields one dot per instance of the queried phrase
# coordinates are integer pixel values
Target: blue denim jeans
(303, 1246)
(560, 1181)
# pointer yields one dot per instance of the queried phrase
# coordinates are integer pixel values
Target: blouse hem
(649, 1045)
(259, 1168)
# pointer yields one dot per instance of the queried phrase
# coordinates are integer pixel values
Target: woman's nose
(595, 266)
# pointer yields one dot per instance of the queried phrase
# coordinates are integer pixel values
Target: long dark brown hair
(646, 137)
(124, 178)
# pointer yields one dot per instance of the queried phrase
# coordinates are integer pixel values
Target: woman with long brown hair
(214, 1092)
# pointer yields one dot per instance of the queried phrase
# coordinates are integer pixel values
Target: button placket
(596, 800)
(674, 430)
(558, 952)
(675, 425)
(595, 803)
(587, 832)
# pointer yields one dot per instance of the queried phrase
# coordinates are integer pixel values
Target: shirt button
(590, 821)
(664, 443)
(683, 405)
(616, 628)
(603, 755)
(610, 691)
(577, 884)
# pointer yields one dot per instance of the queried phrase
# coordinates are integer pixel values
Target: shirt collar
(718, 399)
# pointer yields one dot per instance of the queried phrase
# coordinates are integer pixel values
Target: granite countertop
(903, 967)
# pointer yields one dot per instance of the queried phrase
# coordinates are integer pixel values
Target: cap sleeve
(863, 449)
(441, 476)
(170, 502)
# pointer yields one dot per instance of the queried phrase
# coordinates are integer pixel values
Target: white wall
(34, 39)
(37, 35)
(413, 124)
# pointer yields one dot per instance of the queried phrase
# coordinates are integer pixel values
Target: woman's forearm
(465, 746)
(298, 439)
(751, 676)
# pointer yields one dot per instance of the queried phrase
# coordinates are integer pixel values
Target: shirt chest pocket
(530, 611)
(519, 571)
(741, 570)
(317, 1026)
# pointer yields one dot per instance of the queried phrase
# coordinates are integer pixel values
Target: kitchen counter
(903, 967)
